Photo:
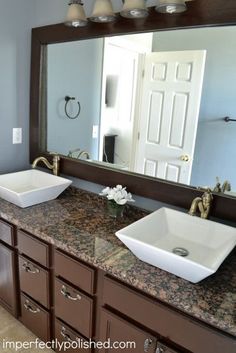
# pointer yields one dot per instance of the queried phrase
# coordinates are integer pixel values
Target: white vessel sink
(31, 187)
(189, 247)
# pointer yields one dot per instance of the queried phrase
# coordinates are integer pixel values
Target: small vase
(115, 210)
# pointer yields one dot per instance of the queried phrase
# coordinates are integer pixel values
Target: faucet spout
(84, 154)
(194, 206)
(54, 166)
(202, 204)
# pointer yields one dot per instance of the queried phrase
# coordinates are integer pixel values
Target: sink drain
(180, 252)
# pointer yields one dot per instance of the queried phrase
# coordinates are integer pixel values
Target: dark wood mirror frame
(201, 13)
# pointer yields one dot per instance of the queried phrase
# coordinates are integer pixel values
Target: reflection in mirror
(151, 103)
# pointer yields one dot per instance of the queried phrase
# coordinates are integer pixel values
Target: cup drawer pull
(29, 308)
(27, 268)
(66, 336)
(67, 294)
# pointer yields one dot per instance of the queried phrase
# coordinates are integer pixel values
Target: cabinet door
(7, 283)
(114, 330)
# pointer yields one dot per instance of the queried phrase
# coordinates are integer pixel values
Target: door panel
(7, 286)
(171, 96)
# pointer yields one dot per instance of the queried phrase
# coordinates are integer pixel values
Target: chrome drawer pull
(27, 268)
(65, 335)
(160, 350)
(147, 344)
(29, 308)
(67, 295)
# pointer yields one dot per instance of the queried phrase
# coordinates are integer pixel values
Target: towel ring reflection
(227, 119)
(67, 100)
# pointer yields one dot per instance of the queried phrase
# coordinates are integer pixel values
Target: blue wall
(15, 34)
(74, 69)
(215, 152)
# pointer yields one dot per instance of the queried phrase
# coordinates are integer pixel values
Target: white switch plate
(95, 131)
(17, 135)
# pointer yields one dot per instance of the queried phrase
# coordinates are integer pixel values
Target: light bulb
(134, 9)
(103, 12)
(171, 6)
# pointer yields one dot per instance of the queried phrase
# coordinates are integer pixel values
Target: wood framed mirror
(200, 13)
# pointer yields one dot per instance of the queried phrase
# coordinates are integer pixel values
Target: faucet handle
(55, 155)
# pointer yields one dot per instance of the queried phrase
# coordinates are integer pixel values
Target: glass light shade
(134, 9)
(76, 15)
(171, 6)
(103, 11)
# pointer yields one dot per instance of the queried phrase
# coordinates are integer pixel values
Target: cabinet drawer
(75, 272)
(33, 248)
(74, 308)
(35, 318)
(7, 233)
(118, 330)
(34, 281)
(65, 334)
(179, 328)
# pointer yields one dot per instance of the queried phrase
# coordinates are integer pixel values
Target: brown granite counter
(77, 222)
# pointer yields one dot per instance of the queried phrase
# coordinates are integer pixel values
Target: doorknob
(185, 158)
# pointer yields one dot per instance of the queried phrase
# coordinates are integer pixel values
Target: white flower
(118, 194)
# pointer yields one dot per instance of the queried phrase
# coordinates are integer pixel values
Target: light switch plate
(95, 131)
(17, 135)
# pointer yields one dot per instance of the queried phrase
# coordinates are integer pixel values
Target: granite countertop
(77, 222)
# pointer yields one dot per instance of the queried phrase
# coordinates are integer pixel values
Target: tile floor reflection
(13, 330)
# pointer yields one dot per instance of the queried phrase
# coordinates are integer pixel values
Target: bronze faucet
(202, 204)
(83, 153)
(54, 166)
(226, 186)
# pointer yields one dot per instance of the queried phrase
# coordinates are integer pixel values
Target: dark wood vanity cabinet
(178, 329)
(62, 297)
(8, 278)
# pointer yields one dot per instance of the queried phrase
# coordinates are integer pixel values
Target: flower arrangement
(118, 195)
(117, 198)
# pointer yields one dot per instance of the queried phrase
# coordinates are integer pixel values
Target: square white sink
(31, 187)
(187, 246)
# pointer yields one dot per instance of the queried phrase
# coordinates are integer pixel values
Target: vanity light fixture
(103, 12)
(171, 6)
(134, 9)
(76, 15)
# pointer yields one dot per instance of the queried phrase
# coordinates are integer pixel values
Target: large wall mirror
(149, 105)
